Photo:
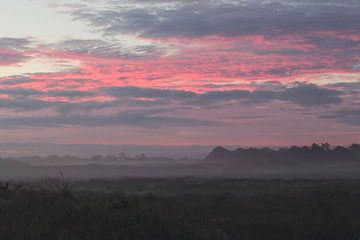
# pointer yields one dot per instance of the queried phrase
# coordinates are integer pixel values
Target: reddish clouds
(194, 64)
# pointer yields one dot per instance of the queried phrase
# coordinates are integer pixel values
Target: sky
(169, 72)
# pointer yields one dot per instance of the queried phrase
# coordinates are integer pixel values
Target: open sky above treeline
(170, 72)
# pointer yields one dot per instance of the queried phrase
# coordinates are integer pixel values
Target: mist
(316, 162)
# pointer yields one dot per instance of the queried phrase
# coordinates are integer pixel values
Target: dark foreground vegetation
(187, 208)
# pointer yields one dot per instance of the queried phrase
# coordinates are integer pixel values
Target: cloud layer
(190, 70)
(225, 18)
(144, 107)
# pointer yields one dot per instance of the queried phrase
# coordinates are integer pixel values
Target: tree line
(323, 151)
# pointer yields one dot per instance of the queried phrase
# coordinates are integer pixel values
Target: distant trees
(96, 158)
(355, 147)
(123, 157)
(323, 151)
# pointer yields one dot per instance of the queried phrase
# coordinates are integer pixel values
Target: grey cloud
(173, 101)
(347, 116)
(281, 52)
(26, 100)
(204, 18)
(280, 71)
(15, 80)
(333, 42)
(14, 43)
(224, 95)
(11, 58)
(300, 94)
(26, 92)
(24, 104)
(22, 99)
(10, 50)
(214, 86)
(148, 93)
(350, 86)
(144, 119)
(100, 48)
(310, 95)
(261, 96)
(70, 107)
(69, 93)
(299, 68)
(20, 92)
(268, 86)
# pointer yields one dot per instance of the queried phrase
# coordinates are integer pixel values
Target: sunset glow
(180, 72)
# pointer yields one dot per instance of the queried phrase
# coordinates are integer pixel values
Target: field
(180, 208)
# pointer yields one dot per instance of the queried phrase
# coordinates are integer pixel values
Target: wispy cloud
(12, 51)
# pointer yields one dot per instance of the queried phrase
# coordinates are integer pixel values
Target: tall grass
(274, 210)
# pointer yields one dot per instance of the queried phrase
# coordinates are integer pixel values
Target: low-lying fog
(88, 150)
(299, 162)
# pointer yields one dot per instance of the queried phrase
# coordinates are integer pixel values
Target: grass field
(182, 208)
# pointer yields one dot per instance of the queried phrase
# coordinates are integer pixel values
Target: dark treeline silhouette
(95, 158)
(4, 162)
(314, 152)
(123, 156)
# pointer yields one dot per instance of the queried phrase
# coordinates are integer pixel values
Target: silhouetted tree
(97, 158)
(315, 151)
(325, 146)
(355, 147)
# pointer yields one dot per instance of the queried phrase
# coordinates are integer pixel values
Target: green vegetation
(185, 208)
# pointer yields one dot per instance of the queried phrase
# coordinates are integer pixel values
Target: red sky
(180, 72)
